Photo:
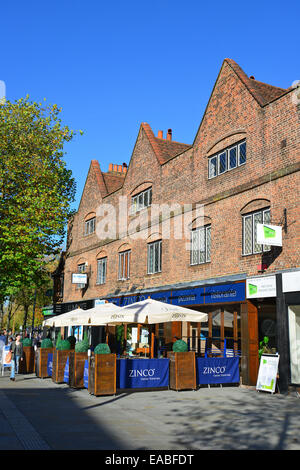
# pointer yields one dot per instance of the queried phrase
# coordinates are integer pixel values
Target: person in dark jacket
(16, 356)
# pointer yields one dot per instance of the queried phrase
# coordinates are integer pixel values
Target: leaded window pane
(233, 157)
(247, 235)
(257, 219)
(242, 153)
(267, 220)
(212, 167)
(208, 243)
(222, 162)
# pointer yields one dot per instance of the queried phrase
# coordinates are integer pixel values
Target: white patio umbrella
(110, 314)
(96, 316)
(73, 318)
(153, 311)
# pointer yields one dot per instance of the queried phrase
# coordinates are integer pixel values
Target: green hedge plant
(102, 348)
(27, 342)
(82, 346)
(180, 346)
(64, 345)
(46, 343)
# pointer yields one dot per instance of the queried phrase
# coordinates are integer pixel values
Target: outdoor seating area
(139, 363)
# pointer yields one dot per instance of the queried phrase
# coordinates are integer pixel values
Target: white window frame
(101, 270)
(122, 265)
(264, 248)
(90, 226)
(227, 151)
(138, 200)
(152, 263)
(207, 250)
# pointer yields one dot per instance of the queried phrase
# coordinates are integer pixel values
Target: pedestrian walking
(17, 355)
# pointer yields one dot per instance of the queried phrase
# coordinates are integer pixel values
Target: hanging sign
(260, 287)
(267, 373)
(269, 235)
(79, 278)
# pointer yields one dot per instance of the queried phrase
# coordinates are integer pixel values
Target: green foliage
(46, 343)
(180, 346)
(72, 340)
(82, 346)
(120, 332)
(263, 347)
(27, 342)
(102, 348)
(58, 340)
(36, 189)
(64, 345)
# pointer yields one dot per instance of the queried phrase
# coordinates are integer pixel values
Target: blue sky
(113, 65)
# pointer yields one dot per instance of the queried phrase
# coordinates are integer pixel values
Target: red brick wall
(269, 173)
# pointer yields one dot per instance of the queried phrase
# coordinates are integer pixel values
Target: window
(227, 159)
(250, 221)
(200, 245)
(124, 265)
(90, 226)
(154, 257)
(101, 270)
(141, 200)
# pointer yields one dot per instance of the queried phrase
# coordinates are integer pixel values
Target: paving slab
(40, 414)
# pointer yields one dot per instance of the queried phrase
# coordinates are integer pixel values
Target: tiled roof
(163, 148)
(262, 92)
(113, 181)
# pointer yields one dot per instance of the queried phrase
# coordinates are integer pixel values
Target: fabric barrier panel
(86, 374)
(142, 373)
(217, 370)
(49, 364)
(66, 372)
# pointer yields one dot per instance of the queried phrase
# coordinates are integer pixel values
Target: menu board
(267, 373)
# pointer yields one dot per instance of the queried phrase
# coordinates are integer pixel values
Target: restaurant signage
(260, 287)
(66, 372)
(225, 293)
(219, 293)
(86, 374)
(217, 370)
(269, 235)
(146, 373)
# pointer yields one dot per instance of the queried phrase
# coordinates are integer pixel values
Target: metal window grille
(101, 270)
(124, 265)
(154, 257)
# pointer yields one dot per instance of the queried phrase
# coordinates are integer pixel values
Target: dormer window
(141, 200)
(228, 159)
(90, 226)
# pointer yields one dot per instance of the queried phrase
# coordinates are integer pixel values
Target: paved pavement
(37, 414)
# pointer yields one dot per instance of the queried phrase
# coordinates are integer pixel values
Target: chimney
(169, 134)
(160, 134)
(110, 168)
(120, 168)
(124, 167)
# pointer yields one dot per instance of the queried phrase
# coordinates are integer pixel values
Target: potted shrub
(102, 371)
(41, 358)
(72, 341)
(182, 367)
(77, 360)
(60, 357)
(27, 365)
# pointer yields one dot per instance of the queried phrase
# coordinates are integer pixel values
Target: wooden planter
(41, 360)
(59, 363)
(103, 374)
(27, 365)
(76, 368)
(182, 370)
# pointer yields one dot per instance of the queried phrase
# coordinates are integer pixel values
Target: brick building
(241, 169)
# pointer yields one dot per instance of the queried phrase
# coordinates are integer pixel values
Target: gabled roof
(164, 149)
(262, 92)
